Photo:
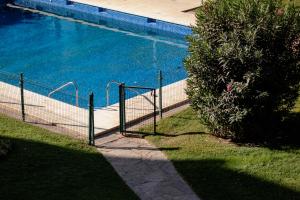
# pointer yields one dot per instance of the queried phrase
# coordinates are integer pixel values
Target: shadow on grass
(281, 136)
(143, 134)
(35, 171)
(290, 130)
(178, 134)
(212, 180)
(139, 148)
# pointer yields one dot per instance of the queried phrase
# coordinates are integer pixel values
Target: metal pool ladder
(118, 83)
(65, 85)
(108, 89)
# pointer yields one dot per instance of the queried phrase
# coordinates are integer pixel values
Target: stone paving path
(144, 168)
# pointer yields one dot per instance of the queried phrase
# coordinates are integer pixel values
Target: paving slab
(144, 168)
(173, 11)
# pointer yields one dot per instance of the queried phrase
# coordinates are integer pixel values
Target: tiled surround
(105, 16)
(173, 11)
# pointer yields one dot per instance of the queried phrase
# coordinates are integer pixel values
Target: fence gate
(138, 109)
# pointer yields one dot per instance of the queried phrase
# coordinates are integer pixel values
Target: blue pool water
(54, 51)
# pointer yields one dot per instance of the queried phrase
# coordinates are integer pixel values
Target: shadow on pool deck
(18, 103)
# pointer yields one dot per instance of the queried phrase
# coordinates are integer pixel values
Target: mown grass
(44, 165)
(218, 169)
(296, 2)
(297, 107)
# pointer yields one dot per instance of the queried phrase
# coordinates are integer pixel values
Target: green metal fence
(37, 103)
(30, 101)
(137, 108)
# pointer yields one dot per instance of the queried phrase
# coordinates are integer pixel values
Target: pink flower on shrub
(229, 87)
(279, 11)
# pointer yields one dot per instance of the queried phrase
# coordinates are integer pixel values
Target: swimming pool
(55, 51)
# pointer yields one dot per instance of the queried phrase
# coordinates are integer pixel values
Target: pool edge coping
(109, 17)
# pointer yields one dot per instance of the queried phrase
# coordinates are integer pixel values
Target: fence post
(160, 79)
(122, 108)
(154, 111)
(21, 83)
(91, 120)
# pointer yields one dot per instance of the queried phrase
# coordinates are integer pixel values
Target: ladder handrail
(65, 85)
(108, 89)
(118, 83)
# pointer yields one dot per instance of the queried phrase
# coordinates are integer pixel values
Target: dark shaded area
(36, 171)
(5, 146)
(10, 16)
(212, 180)
(290, 130)
(283, 135)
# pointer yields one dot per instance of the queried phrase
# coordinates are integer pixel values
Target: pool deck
(165, 10)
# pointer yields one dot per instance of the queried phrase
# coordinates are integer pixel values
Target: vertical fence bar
(22, 96)
(154, 112)
(91, 120)
(120, 108)
(160, 79)
(122, 115)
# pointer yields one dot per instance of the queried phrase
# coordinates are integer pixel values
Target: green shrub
(243, 67)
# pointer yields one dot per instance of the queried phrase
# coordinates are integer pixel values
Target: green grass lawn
(43, 165)
(297, 107)
(217, 169)
(296, 2)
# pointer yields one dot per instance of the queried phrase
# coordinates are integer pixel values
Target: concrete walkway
(144, 168)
